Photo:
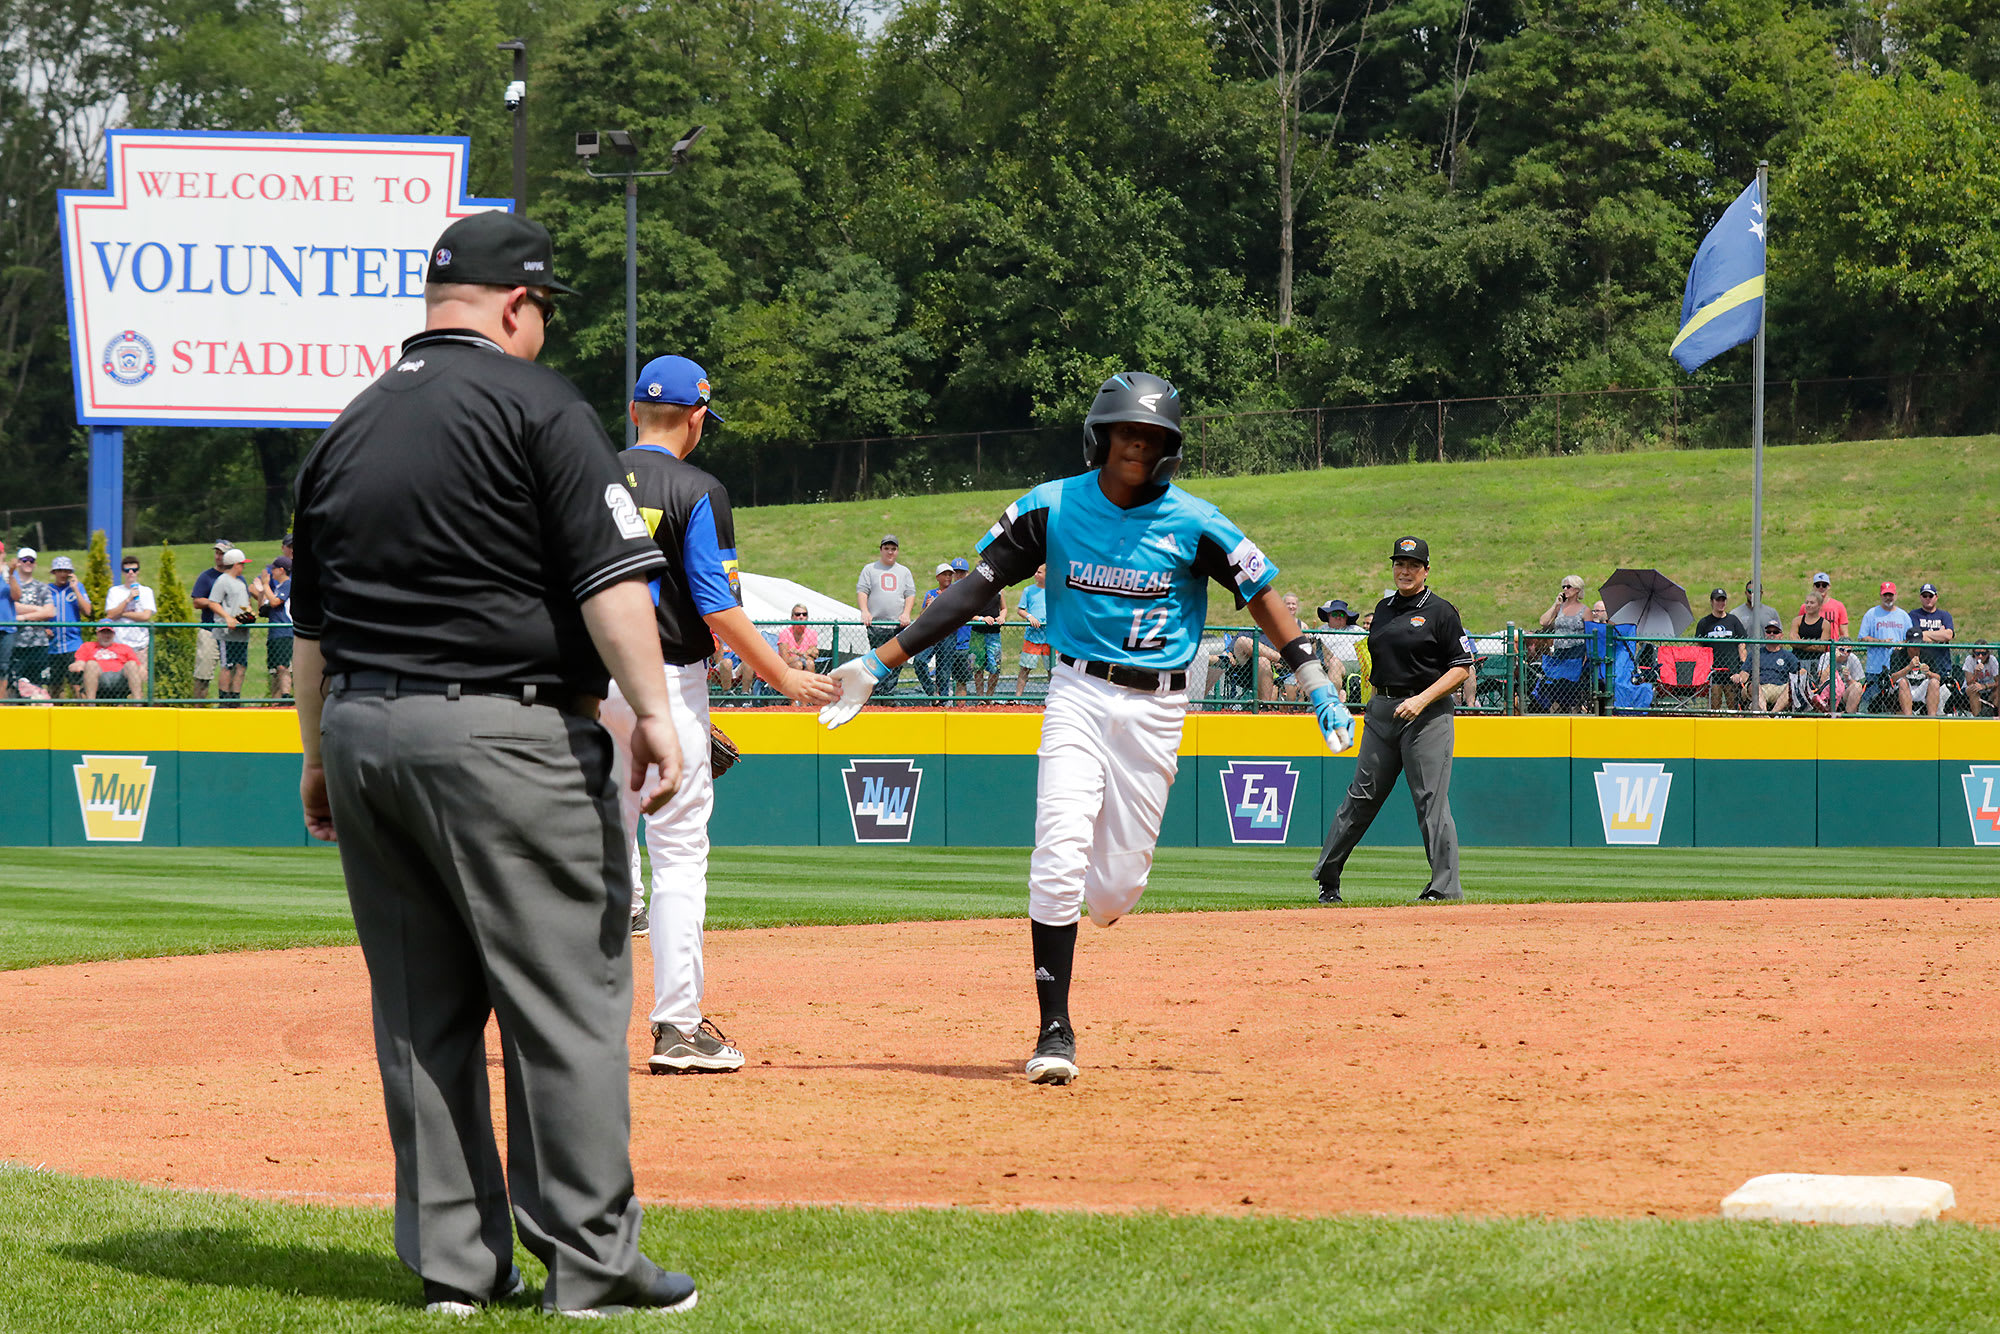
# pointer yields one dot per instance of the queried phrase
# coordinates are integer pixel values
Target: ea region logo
(128, 358)
(1982, 804)
(882, 799)
(114, 792)
(1632, 799)
(1258, 796)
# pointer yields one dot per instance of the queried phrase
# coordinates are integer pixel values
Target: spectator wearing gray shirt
(232, 595)
(886, 593)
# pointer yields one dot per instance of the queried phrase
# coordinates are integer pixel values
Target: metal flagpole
(1756, 632)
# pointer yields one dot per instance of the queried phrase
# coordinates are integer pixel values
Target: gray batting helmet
(1134, 396)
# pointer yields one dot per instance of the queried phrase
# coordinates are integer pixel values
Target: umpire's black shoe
(1440, 896)
(666, 1292)
(1329, 892)
(440, 1299)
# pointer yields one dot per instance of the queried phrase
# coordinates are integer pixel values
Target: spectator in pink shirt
(1830, 607)
(798, 643)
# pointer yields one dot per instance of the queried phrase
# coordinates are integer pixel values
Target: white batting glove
(857, 680)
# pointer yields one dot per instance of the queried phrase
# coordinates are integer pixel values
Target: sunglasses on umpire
(543, 304)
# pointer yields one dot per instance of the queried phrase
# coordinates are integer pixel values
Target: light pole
(589, 143)
(517, 102)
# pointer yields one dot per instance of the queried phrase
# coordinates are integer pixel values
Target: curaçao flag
(1725, 292)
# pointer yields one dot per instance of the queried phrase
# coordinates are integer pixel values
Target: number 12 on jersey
(1146, 635)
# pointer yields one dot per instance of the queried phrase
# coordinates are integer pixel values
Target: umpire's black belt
(391, 684)
(1132, 678)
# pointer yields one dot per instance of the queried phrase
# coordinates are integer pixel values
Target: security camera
(686, 142)
(517, 93)
(586, 143)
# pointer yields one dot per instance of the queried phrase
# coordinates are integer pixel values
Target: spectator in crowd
(1812, 627)
(930, 681)
(1281, 673)
(1754, 611)
(235, 610)
(954, 660)
(1730, 676)
(132, 604)
(1982, 682)
(1934, 627)
(1034, 610)
(208, 641)
(1562, 688)
(107, 666)
(73, 608)
(272, 592)
(798, 643)
(1885, 624)
(1341, 648)
(1916, 682)
(285, 555)
(886, 593)
(1776, 666)
(1848, 672)
(984, 644)
(33, 603)
(1831, 607)
(8, 622)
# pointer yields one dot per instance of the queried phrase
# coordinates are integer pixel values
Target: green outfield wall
(187, 777)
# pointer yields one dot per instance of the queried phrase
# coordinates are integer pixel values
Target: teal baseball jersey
(1125, 586)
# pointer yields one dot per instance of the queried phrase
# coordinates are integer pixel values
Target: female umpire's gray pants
(1420, 750)
(481, 843)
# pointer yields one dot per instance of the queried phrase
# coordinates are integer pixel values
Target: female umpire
(1421, 655)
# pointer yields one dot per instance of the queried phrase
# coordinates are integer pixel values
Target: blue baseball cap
(958, 564)
(674, 380)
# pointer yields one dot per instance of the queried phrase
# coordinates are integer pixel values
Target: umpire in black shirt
(1420, 656)
(468, 565)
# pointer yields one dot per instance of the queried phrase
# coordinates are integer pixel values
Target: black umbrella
(1653, 605)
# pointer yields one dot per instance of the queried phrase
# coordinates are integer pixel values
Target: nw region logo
(128, 358)
(114, 792)
(1982, 804)
(1258, 796)
(1632, 799)
(882, 799)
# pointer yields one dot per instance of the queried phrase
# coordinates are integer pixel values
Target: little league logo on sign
(1982, 804)
(1632, 800)
(238, 279)
(882, 799)
(1258, 796)
(114, 793)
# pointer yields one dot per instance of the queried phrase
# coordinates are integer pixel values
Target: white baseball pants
(1108, 758)
(677, 838)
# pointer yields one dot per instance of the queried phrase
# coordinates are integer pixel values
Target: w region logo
(882, 799)
(1632, 800)
(1982, 804)
(1258, 796)
(114, 792)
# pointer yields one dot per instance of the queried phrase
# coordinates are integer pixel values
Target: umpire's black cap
(1411, 548)
(495, 250)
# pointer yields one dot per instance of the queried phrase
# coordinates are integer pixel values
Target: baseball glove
(722, 752)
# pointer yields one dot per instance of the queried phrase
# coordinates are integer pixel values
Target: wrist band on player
(1297, 653)
(1312, 677)
(876, 667)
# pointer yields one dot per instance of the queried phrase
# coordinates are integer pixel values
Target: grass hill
(1504, 533)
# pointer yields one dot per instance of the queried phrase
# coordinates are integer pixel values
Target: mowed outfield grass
(104, 1255)
(69, 905)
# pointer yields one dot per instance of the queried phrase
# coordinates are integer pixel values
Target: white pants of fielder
(677, 839)
(1108, 758)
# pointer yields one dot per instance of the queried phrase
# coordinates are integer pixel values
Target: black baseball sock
(1055, 956)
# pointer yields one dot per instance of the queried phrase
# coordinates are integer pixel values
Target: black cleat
(1054, 1061)
(1440, 896)
(1330, 893)
(441, 1299)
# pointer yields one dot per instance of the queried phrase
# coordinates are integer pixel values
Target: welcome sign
(250, 279)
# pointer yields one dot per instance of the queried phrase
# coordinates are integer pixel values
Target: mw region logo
(882, 799)
(1632, 800)
(114, 793)
(1258, 796)
(1982, 803)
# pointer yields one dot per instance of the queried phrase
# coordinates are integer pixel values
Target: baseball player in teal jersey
(1129, 558)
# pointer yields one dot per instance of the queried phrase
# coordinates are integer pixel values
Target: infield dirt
(1602, 1059)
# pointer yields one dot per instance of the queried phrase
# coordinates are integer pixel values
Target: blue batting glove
(1336, 724)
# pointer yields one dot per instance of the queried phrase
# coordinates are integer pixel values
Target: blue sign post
(106, 509)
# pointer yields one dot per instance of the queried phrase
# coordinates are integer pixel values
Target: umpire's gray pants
(482, 848)
(1420, 750)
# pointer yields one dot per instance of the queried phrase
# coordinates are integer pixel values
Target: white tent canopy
(770, 600)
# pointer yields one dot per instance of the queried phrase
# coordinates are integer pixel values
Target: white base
(1803, 1197)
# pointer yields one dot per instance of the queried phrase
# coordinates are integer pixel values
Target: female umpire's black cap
(1411, 548)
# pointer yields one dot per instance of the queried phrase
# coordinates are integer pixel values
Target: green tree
(97, 570)
(172, 657)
